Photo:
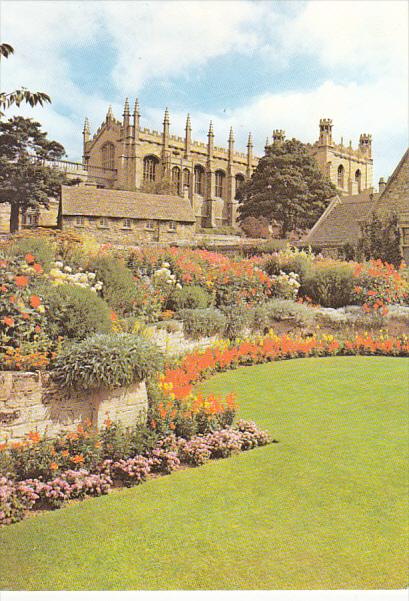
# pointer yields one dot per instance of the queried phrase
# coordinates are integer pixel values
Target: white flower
(165, 264)
(59, 264)
(68, 269)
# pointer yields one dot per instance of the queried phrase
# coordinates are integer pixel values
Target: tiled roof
(396, 193)
(340, 223)
(98, 202)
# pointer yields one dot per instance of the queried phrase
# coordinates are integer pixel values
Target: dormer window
(127, 225)
(172, 226)
(103, 222)
(79, 220)
(150, 225)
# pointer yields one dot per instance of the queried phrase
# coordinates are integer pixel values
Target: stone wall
(29, 401)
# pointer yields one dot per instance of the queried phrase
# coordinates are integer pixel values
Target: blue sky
(250, 64)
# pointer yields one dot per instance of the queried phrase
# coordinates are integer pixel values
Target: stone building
(125, 217)
(340, 223)
(137, 158)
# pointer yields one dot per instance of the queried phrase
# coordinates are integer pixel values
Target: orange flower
(172, 426)
(21, 281)
(25, 316)
(3, 446)
(34, 436)
(97, 445)
(12, 299)
(77, 459)
(108, 422)
(35, 301)
(37, 329)
(113, 316)
(29, 258)
(9, 321)
(65, 453)
(37, 268)
(53, 466)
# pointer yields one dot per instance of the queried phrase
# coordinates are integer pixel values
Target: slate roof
(101, 202)
(396, 199)
(340, 222)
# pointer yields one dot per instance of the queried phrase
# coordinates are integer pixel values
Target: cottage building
(124, 217)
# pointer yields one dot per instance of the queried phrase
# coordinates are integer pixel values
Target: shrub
(237, 318)
(329, 284)
(189, 297)
(264, 316)
(106, 360)
(202, 322)
(42, 249)
(289, 261)
(255, 227)
(119, 290)
(129, 471)
(75, 312)
(15, 500)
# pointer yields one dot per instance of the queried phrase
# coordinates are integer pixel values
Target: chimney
(381, 185)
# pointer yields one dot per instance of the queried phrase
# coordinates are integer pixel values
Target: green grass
(326, 508)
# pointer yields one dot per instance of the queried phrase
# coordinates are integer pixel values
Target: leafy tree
(287, 187)
(25, 180)
(380, 238)
(255, 228)
(22, 94)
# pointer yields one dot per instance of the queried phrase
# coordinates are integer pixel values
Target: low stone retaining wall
(29, 401)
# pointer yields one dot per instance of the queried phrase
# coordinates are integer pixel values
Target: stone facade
(349, 169)
(395, 197)
(29, 401)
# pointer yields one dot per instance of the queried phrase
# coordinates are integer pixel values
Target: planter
(29, 401)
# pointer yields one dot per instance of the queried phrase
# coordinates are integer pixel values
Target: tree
(25, 180)
(255, 228)
(287, 187)
(380, 238)
(21, 95)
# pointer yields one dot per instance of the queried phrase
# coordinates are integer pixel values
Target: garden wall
(29, 401)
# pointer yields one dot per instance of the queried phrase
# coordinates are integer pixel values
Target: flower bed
(17, 497)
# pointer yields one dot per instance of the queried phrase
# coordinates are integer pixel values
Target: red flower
(35, 301)
(21, 281)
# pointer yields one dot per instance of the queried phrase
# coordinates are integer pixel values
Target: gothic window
(220, 184)
(239, 182)
(186, 178)
(199, 180)
(108, 156)
(150, 164)
(358, 179)
(341, 172)
(176, 183)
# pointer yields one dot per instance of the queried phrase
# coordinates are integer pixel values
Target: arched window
(239, 182)
(149, 168)
(358, 179)
(186, 179)
(340, 180)
(108, 156)
(220, 179)
(199, 179)
(176, 183)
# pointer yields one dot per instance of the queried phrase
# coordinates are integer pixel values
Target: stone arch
(358, 180)
(220, 183)
(199, 175)
(186, 178)
(340, 176)
(239, 180)
(150, 168)
(176, 180)
(108, 156)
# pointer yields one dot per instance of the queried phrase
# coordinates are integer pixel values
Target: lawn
(325, 508)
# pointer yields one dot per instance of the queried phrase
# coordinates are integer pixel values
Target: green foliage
(255, 227)
(106, 361)
(75, 312)
(189, 297)
(202, 322)
(43, 249)
(290, 260)
(288, 187)
(119, 289)
(237, 318)
(380, 239)
(25, 182)
(264, 316)
(329, 284)
(16, 97)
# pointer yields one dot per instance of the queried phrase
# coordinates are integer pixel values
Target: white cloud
(362, 46)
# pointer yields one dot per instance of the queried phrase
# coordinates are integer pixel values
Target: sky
(253, 65)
